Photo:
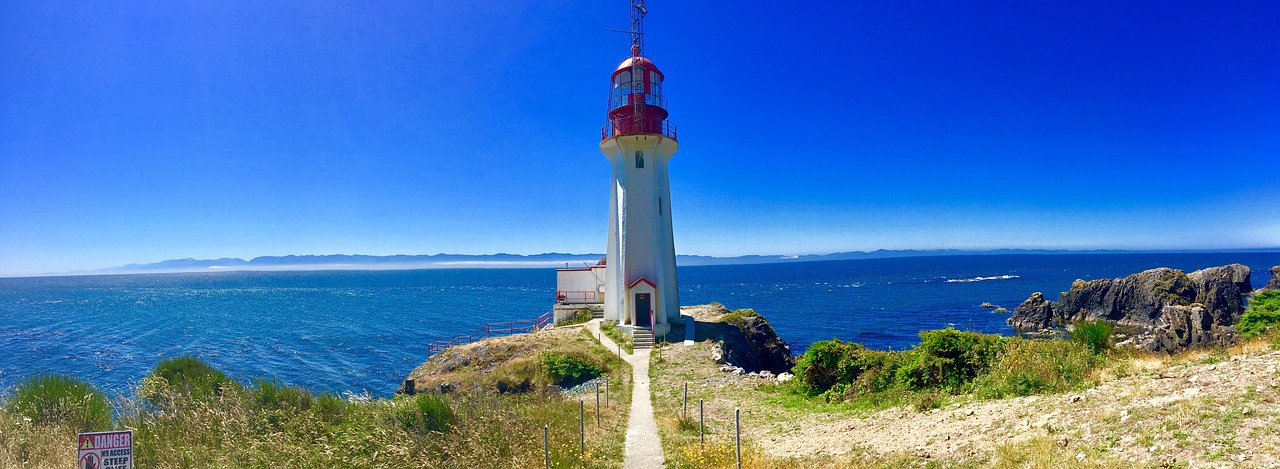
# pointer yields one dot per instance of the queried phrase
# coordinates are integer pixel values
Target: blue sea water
(365, 330)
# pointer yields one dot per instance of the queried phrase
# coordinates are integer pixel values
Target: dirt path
(643, 448)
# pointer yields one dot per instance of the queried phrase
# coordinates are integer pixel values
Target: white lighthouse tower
(640, 287)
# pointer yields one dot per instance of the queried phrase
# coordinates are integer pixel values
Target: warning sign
(106, 450)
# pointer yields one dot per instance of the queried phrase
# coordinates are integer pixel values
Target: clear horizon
(137, 133)
(150, 267)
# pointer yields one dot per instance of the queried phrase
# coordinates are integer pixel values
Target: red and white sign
(105, 450)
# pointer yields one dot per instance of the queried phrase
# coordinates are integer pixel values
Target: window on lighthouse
(622, 87)
(639, 159)
(654, 96)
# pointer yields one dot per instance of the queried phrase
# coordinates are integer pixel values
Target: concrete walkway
(643, 447)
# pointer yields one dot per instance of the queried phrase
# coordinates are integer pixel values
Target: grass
(272, 424)
(56, 399)
(610, 329)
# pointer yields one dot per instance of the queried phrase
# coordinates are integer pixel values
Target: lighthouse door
(643, 310)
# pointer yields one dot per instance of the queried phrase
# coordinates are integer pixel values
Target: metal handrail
(488, 330)
(668, 130)
(564, 296)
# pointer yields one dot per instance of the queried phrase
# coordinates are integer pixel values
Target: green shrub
(1262, 315)
(1037, 366)
(569, 368)
(830, 363)
(187, 376)
(1093, 335)
(61, 400)
(948, 360)
(424, 413)
(927, 401)
(581, 316)
(330, 408)
(271, 394)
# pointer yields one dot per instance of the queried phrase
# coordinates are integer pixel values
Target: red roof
(642, 279)
(644, 63)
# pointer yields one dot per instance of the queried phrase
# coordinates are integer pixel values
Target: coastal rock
(1167, 309)
(741, 338)
(1274, 283)
(1186, 327)
(784, 377)
(717, 352)
(1221, 290)
(1034, 314)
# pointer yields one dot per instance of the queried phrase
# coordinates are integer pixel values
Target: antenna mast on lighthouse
(637, 27)
(637, 50)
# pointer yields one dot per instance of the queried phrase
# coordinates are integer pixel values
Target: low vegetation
(1094, 335)
(610, 329)
(948, 362)
(187, 414)
(63, 400)
(1262, 317)
(581, 316)
(568, 369)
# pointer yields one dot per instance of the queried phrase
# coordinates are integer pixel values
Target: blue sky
(144, 131)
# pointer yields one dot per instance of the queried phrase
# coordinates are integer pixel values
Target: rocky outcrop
(740, 338)
(1032, 315)
(1184, 327)
(1167, 309)
(1274, 283)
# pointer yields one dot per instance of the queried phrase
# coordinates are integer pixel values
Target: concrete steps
(597, 314)
(643, 338)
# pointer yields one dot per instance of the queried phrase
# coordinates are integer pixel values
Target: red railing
(577, 296)
(490, 330)
(608, 130)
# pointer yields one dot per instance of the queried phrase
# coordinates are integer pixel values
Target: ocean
(364, 331)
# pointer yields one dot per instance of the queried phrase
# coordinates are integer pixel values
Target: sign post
(105, 450)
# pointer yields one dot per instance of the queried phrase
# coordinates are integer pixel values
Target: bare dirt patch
(1199, 409)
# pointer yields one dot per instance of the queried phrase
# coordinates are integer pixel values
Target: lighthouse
(639, 287)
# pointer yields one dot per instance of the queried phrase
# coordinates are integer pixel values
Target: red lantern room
(636, 104)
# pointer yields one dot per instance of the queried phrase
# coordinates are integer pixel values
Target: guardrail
(577, 296)
(491, 330)
(608, 130)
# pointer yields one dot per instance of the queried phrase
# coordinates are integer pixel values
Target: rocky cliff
(741, 338)
(1274, 283)
(1166, 308)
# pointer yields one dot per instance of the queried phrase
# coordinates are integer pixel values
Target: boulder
(1189, 327)
(1032, 315)
(1221, 290)
(1274, 283)
(1167, 309)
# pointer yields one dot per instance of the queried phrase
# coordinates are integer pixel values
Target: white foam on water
(980, 279)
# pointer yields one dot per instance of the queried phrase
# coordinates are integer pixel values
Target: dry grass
(245, 427)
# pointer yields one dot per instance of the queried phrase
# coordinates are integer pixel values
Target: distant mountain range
(545, 260)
